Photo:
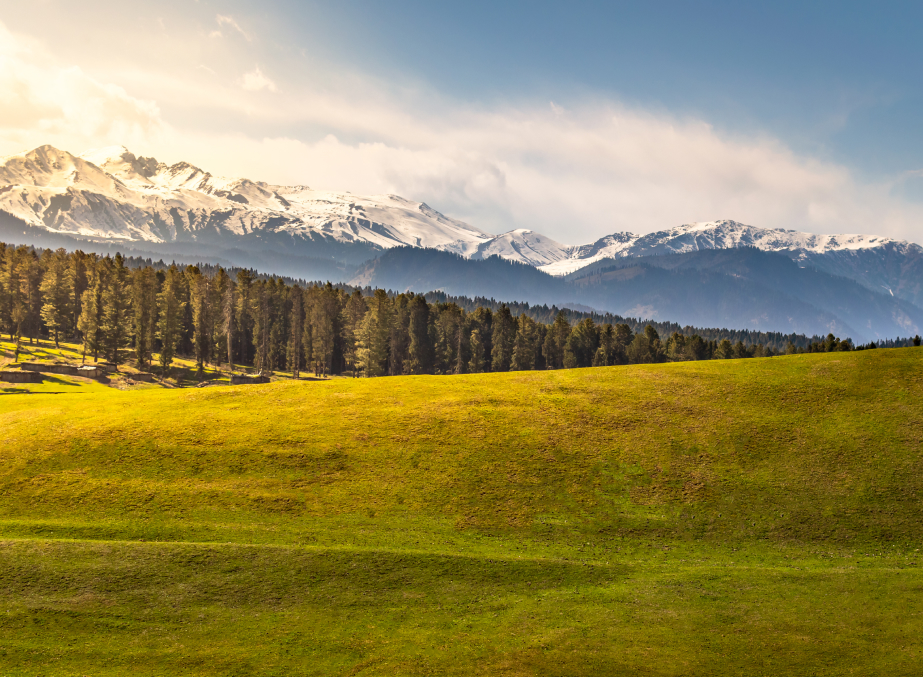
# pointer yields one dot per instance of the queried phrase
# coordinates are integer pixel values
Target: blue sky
(575, 119)
(838, 79)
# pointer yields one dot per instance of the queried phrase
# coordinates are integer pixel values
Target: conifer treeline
(122, 313)
(545, 314)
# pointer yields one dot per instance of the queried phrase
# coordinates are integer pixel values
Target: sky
(574, 119)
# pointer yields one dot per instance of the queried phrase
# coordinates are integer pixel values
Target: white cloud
(231, 23)
(47, 103)
(255, 81)
(574, 170)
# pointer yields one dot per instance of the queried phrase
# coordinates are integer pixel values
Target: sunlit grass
(729, 517)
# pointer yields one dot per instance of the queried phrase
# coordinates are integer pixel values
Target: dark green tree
(503, 339)
(115, 325)
(170, 313)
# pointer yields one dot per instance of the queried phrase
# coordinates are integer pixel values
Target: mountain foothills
(111, 200)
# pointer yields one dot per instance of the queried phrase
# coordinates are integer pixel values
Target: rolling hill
(735, 517)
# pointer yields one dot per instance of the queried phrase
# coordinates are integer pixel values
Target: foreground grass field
(734, 517)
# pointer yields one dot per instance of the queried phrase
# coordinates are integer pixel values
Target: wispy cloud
(231, 22)
(255, 81)
(48, 103)
(576, 169)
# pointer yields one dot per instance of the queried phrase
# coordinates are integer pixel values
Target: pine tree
(56, 293)
(399, 338)
(581, 345)
(478, 353)
(279, 331)
(16, 291)
(170, 312)
(78, 263)
(555, 341)
(353, 313)
(504, 336)
(4, 291)
(144, 311)
(606, 353)
(525, 345)
(228, 305)
(296, 324)
(31, 288)
(199, 297)
(91, 308)
(372, 340)
(482, 320)
(420, 351)
(243, 314)
(259, 311)
(325, 310)
(116, 315)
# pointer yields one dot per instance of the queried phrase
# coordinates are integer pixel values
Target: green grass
(734, 517)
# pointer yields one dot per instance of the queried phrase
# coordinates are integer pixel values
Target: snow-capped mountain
(112, 197)
(111, 194)
(717, 235)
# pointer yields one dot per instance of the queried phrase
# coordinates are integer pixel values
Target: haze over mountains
(111, 198)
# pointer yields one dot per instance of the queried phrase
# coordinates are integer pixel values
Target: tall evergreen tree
(16, 294)
(31, 283)
(170, 313)
(78, 263)
(420, 351)
(526, 345)
(556, 341)
(260, 312)
(4, 290)
(116, 316)
(228, 305)
(581, 345)
(352, 315)
(56, 294)
(243, 315)
(399, 339)
(372, 341)
(144, 311)
(504, 336)
(478, 361)
(325, 310)
(91, 302)
(296, 325)
(199, 298)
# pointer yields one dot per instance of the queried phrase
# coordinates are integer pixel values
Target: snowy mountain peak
(113, 194)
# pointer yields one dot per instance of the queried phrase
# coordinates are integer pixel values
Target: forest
(149, 314)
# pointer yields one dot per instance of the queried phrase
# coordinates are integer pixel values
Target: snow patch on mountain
(722, 234)
(112, 194)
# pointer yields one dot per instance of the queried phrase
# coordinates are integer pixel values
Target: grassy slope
(740, 517)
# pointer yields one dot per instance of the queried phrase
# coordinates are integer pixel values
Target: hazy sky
(575, 119)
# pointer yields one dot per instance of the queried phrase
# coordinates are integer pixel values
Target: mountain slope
(114, 195)
(876, 262)
(111, 198)
(745, 289)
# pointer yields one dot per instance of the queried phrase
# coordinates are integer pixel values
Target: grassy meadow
(739, 517)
